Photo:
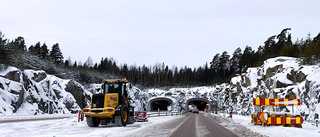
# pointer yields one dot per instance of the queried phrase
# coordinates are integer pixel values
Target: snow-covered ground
(307, 130)
(71, 127)
(241, 125)
(238, 122)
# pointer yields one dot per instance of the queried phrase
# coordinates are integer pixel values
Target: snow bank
(307, 130)
(70, 127)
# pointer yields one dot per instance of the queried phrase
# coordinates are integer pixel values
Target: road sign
(263, 116)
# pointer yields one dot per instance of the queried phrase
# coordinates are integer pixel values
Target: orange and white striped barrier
(263, 118)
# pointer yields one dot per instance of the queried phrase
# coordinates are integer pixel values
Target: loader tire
(93, 121)
(104, 121)
(131, 120)
(122, 118)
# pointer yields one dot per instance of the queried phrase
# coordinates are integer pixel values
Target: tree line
(220, 69)
(10, 49)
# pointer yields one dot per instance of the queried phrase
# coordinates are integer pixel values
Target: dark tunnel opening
(200, 105)
(162, 105)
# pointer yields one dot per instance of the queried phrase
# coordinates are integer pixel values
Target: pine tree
(56, 54)
(44, 52)
(75, 65)
(269, 47)
(31, 49)
(225, 63)
(67, 63)
(37, 49)
(19, 44)
(3, 49)
(3, 41)
(215, 63)
(247, 59)
(284, 38)
(312, 51)
(259, 56)
(124, 70)
(235, 60)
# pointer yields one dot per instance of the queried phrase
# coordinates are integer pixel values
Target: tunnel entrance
(161, 103)
(199, 103)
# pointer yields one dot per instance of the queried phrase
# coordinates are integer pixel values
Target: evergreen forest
(220, 69)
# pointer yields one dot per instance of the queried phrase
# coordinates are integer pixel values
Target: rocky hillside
(35, 92)
(32, 92)
(279, 77)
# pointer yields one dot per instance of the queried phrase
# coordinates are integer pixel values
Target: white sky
(176, 32)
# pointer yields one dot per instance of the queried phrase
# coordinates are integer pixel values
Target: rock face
(32, 92)
(79, 93)
(285, 77)
(272, 71)
(14, 75)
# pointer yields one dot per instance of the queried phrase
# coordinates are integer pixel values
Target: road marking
(197, 126)
(179, 125)
(201, 131)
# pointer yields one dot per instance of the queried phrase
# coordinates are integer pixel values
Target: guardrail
(163, 113)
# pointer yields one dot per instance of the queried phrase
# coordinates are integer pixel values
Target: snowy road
(198, 125)
(156, 126)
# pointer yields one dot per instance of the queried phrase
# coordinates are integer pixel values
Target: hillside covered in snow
(279, 77)
(30, 92)
(35, 92)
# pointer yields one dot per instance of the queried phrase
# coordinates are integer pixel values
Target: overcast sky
(176, 32)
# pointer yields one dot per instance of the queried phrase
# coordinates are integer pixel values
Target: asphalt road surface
(198, 125)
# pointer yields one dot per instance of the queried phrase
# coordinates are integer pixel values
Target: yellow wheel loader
(110, 105)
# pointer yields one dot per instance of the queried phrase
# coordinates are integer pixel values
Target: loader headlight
(109, 110)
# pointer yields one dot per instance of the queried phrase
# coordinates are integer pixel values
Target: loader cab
(116, 86)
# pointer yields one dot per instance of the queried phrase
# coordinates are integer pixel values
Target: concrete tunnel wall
(159, 99)
(197, 99)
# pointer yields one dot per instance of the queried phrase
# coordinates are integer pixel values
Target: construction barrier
(140, 116)
(276, 102)
(265, 118)
(80, 116)
(277, 119)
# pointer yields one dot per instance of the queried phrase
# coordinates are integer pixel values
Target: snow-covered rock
(32, 92)
(282, 77)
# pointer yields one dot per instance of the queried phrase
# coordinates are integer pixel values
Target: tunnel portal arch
(200, 103)
(161, 103)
